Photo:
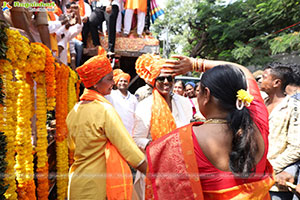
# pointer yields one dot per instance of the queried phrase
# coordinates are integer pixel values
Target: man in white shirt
(68, 32)
(123, 101)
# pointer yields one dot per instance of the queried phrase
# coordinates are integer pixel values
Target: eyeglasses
(163, 78)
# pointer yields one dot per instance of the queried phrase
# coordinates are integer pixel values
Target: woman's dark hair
(223, 82)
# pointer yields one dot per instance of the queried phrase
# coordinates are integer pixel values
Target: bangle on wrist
(196, 65)
(201, 69)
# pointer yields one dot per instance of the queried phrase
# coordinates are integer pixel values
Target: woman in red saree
(224, 157)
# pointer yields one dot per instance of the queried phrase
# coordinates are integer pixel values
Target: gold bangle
(201, 66)
(198, 65)
(194, 64)
(198, 68)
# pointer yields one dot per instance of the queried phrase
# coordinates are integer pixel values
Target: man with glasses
(160, 113)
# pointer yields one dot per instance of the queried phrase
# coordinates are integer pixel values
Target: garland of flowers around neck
(8, 126)
(62, 75)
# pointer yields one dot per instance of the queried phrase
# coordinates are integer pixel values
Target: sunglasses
(163, 78)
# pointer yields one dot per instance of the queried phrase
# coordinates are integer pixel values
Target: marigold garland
(3, 142)
(37, 58)
(42, 142)
(72, 100)
(24, 158)
(62, 167)
(8, 126)
(18, 48)
(34, 58)
(62, 74)
(72, 97)
(50, 78)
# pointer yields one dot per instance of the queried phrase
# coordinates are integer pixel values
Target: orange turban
(93, 70)
(148, 67)
(118, 74)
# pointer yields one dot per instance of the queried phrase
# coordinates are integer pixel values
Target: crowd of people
(65, 28)
(242, 146)
(233, 134)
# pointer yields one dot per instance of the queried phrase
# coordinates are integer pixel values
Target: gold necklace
(216, 121)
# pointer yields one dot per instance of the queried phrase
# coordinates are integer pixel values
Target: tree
(248, 31)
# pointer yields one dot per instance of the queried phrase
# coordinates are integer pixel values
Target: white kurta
(125, 107)
(68, 34)
(181, 111)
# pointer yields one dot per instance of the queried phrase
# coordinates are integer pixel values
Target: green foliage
(246, 31)
(285, 43)
(242, 51)
(3, 39)
(3, 165)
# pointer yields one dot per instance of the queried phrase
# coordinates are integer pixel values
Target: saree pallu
(173, 172)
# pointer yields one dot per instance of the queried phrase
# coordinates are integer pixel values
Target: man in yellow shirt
(93, 126)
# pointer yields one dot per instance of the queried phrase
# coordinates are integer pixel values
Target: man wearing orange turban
(161, 112)
(99, 140)
(123, 101)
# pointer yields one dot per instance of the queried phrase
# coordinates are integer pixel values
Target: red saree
(173, 172)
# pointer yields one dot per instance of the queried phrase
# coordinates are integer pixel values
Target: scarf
(118, 173)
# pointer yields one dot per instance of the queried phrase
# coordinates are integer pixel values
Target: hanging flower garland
(36, 65)
(3, 141)
(8, 126)
(18, 48)
(62, 74)
(36, 60)
(72, 100)
(42, 142)
(72, 97)
(50, 78)
(24, 158)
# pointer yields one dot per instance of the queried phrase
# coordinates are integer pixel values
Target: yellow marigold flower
(244, 96)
